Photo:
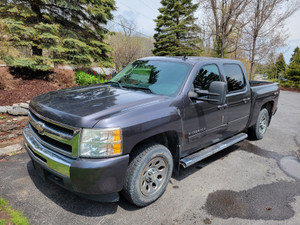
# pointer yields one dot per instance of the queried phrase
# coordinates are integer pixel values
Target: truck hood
(84, 106)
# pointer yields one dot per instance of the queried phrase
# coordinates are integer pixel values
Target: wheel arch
(269, 106)
(169, 139)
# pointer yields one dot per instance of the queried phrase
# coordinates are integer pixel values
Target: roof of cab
(189, 59)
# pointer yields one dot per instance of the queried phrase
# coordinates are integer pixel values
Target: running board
(196, 157)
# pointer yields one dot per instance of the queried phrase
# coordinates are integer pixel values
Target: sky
(143, 12)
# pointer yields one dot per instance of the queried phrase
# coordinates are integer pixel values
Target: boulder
(18, 111)
(3, 109)
(24, 105)
(10, 149)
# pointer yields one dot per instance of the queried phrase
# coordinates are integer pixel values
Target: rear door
(238, 98)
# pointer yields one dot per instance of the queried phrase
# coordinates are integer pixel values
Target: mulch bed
(24, 90)
(290, 89)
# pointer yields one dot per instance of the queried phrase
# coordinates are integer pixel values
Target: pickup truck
(156, 116)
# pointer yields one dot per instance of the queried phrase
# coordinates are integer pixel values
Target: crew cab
(156, 116)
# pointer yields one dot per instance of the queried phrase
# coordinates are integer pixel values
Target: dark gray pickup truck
(155, 116)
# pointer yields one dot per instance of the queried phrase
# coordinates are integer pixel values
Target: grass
(10, 216)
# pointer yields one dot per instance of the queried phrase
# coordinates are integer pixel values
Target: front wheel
(148, 174)
(258, 130)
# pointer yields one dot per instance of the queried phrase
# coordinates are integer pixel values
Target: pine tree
(57, 31)
(293, 71)
(280, 65)
(176, 31)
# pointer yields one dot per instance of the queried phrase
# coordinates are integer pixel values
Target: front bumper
(87, 177)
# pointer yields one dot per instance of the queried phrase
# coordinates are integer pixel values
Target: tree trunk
(36, 9)
(36, 51)
(252, 58)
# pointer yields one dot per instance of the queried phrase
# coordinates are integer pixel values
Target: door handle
(245, 100)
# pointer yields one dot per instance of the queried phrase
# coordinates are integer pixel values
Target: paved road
(242, 185)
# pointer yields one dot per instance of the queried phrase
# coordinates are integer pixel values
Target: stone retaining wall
(18, 109)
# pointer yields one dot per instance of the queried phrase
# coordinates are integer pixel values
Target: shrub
(64, 78)
(297, 85)
(5, 78)
(83, 78)
(290, 84)
(285, 83)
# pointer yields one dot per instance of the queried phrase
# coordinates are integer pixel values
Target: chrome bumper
(94, 177)
(44, 155)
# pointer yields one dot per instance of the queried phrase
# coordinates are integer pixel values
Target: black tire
(148, 174)
(258, 130)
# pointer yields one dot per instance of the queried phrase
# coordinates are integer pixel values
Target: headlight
(101, 142)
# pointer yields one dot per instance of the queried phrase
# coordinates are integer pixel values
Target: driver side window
(205, 76)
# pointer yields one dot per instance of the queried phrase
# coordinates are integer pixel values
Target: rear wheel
(258, 130)
(148, 174)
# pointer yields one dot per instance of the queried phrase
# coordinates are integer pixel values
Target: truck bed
(254, 83)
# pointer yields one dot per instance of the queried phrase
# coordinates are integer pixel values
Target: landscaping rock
(18, 111)
(24, 105)
(10, 149)
(4, 109)
(8, 126)
(7, 136)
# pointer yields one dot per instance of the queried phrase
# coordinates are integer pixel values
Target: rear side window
(205, 76)
(234, 76)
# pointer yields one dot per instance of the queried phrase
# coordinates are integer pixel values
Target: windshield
(158, 77)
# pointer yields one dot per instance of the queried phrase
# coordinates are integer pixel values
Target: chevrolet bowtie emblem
(40, 127)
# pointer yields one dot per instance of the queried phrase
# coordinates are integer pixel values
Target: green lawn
(10, 216)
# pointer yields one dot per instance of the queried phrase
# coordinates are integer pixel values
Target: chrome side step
(196, 157)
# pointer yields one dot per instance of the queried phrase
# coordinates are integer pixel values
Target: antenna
(184, 57)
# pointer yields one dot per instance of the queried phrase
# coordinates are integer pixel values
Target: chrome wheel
(263, 123)
(153, 176)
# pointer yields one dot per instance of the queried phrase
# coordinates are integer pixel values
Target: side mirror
(216, 93)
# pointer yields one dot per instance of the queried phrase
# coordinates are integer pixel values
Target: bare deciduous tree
(128, 27)
(129, 48)
(264, 31)
(126, 43)
(227, 20)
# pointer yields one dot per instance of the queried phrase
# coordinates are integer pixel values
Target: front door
(204, 122)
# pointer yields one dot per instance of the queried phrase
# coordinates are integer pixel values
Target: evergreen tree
(176, 31)
(293, 71)
(57, 31)
(280, 65)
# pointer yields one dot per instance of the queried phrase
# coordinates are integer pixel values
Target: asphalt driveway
(253, 182)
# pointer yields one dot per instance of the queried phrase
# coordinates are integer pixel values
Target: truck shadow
(73, 203)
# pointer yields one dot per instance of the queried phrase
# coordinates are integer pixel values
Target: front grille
(52, 125)
(52, 142)
(57, 137)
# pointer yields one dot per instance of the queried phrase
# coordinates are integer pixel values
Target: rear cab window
(234, 77)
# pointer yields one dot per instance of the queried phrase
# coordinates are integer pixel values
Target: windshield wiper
(115, 82)
(139, 87)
